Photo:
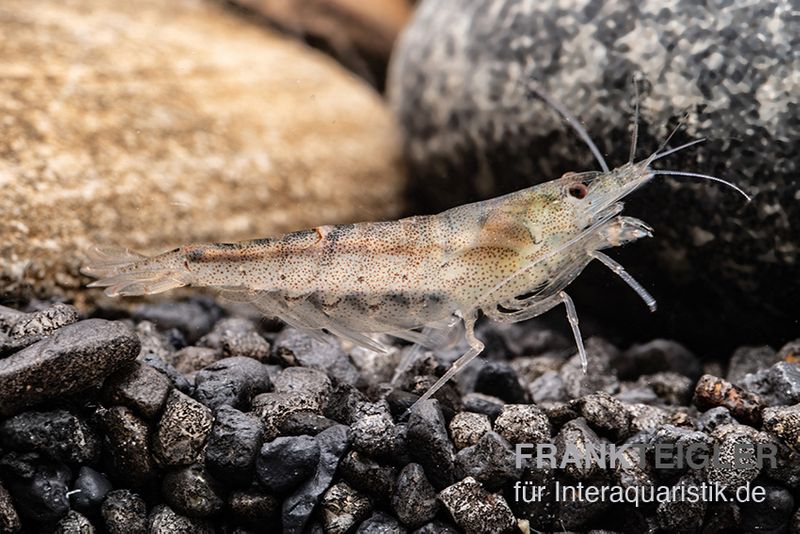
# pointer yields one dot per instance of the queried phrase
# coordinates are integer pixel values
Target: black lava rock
(466, 428)
(59, 434)
(523, 423)
(746, 360)
(380, 523)
(659, 355)
(682, 515)
(784, 422)
(140, 387)
(367, 475)
(491, 462)
(255, 510)
(232, 382)
(414, 501)
(9, 518)
(237, 337)
(233, 445)
(295, 347)
(73, 522)
(429, 444)
(124, 511)
(284, 463)
(126, 440)
(76, 357)
(193, 317)
(192, 491)
(38, 487)
(476, 510)
(182, 430)
(343, 508)
(500, 380)
(89, 490)
(606, 415)
(24, 329)
(485, 404)
(773, 515)
(163, 520)
(305, 423)
(372, 429)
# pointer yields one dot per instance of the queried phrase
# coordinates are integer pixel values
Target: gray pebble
(784, 422)
(255, 510)
(76, 357)
(231, 382)
(305, 423)
(681, 438)
(491, 462)
(9, 518)
(275, 408)
(139, 387)
(673, 388)
(657, 356)
(127, 442)
(747, 360)
(778, 385)
(89, 489)
(163, 520)
(577, 434)
(682, 515)
(309, 382)
(367, 475)
(233, 445)
(466, 428)
(59, 434)
(295, 347)
(74, 523)
(476, 510)
(157, 352)
(283, 464)
(342, 402)
(500, 380)
(191, 491)
(712, 419)
(124, 511)
(343, 508)
(380, 523)
(189, 360)
(194, 317)
(599, 376)
(548, 387)
(529, 368)
(429, 444)
(485, 404)
(414, 500)
(25, 329)
(297, 508)
(729, 472)
(182, 430)
(372, 429)
(606, 415)
(523, 423)
(237, 337)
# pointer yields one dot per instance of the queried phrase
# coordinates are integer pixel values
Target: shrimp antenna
(658, 155)
(704, 177)
(635, 133)
(572, 121)
(668, 139)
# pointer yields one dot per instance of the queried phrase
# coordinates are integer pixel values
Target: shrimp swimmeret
(509, 257)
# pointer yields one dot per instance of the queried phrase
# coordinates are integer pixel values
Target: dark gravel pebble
(76, 357)
(38, 487)
(343, 508)
(233, 445)
(369, 476)
(499, 379)
(297, 508)
(127, 444)
(284, 463)
(437, 527)
(485, 404)
(576, 433)
(9, 519)
(255, 510)
(372, 425)
(712, 391)
(773, 515)
(89, 489)
(682, 515)
(189, 360)
(381, 523)
(466, 428)
(193, 317)
(192, 491)
(231, 382)
(548, 387)
(747, 360)
(294, 347)
(729, 472)
(59, 434)
(140, 387)
(606, 415)
(523, 423)
(237, 337)
(414, 500)
(182, 430)
(163, 520)
(656, 356)
(779, 384)
(672, 388)
(24, 329)
(599, 376)
(124, 511)
(714, 418)
(476, 510)
(784, 422)
(491, 461)
(74, 523)
(275, 408)
(429, 444)
(300, 423)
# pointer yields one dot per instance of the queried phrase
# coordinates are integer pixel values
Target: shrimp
(510, 258)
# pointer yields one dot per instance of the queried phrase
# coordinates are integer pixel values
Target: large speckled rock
(460, 84)
(149, 124)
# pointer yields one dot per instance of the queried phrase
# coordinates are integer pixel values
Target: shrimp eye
(578, 191)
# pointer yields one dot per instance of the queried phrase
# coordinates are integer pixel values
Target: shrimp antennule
(704, 177)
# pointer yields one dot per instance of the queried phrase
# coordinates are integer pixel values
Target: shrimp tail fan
(123, 272)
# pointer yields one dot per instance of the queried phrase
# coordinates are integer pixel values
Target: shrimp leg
(620, 271)
(476, 347)
(572, 317)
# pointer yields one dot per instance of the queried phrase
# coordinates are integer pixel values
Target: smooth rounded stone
(500, 380)
(367, 475)
(773, 515)
(490, 406)
(777, 385)
(305, 423)
(232, 381)
(474, 130)
(682, 515)
(429, 444)
(548, 387)
(746, 360)
(491, 462)
(124, 511)
(74, 523)
(76, 357)
(343, 507)
(255, 509)
(182, 430)
(578, 434)
(298, 507)
(192, 491)
(309, 382)
(139, 387)
(194, 317)
(606, 415)
(436, 527)
(599, 375)
(297, 348)
(784, 422)
(714, 418)
(372, 429)
(730, 472)
(523, 423)
(233, 445)
(163, 520)
(466, 428)
(9, 518)
(28, 328)
(381, 523)
(89, 489)
(414, 500)
(38, 487)
(284, 463)
(127, 442)
(672, 388)
(712, 391)
(476, 510)
(236, 336)
(59, 434)
(189, 360)
(659, 355)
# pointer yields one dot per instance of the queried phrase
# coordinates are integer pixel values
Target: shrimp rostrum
(510, 257)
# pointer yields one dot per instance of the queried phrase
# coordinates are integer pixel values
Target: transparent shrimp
(510, 258)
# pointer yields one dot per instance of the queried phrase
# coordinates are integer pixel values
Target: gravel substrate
(181, 418)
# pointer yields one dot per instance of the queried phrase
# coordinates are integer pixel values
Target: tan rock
(149, 124)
